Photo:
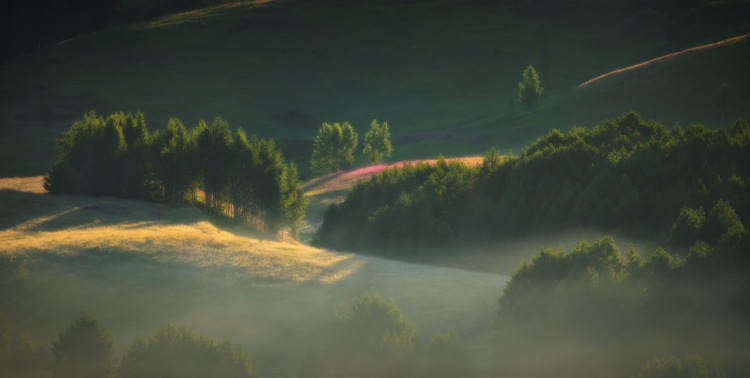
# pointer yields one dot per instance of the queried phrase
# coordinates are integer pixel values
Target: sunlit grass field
(136, 265)
(440, 72)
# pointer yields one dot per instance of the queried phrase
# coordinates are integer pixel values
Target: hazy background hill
(440, 72)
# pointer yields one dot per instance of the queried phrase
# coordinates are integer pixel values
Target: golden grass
(33, 184)
(643, 64)
(69, 225)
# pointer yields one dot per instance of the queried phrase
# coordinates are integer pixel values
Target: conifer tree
(530, 88)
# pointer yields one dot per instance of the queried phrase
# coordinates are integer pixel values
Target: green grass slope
(137, 265)
(438, 71)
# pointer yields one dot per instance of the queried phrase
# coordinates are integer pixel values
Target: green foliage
(85, 349)
(625, 175)
(593, 296)
(377, 142)
(530, 88)
(177, 352)
(370, 337)
(447, 357)
(369, 324)
(672, 367)
(243, 178)
(334, 148)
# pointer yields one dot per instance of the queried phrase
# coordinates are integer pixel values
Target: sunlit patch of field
(178, 233)
(136, 265)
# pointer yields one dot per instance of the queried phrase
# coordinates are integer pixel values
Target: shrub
(84, 350)
(447, 357)
(371, 337)
(177, 352)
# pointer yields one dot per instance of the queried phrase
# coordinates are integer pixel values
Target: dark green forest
(625, 175)
(233, 175)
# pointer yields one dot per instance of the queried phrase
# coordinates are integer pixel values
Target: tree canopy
(377, 142)
(530, 88)
(232, 175)
(177, 352)
(334, 148)
(625, 175)
(84, 350)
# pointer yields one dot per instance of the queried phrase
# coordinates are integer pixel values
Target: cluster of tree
(612, 308)
(86, 350)
(244, 178)
(335, 145)
(372, 337)
(29, 26)
(623, 175)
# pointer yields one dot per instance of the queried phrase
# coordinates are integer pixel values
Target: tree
(371, 337)
(377, 142)
(177, 352)
(334, 148)
(529, 89)
(722, 100)
(85, 350)
(447, 356)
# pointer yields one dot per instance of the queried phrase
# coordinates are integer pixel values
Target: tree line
(620, 310)
(232, 175)
(623, 175)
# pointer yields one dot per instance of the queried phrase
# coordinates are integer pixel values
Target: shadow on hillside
(30, 212)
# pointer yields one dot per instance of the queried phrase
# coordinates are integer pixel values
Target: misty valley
(376, 188)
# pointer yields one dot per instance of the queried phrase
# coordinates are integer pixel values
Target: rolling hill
(137, 265)
(439, 72)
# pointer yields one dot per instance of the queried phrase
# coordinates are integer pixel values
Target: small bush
(177, 352)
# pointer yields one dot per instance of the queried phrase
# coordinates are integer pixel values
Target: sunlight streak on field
(704, 47)
(70, 225)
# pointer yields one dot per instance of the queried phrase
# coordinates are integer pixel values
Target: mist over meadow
(327, 188)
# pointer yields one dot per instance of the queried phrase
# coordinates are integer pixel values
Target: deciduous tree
(377, 142)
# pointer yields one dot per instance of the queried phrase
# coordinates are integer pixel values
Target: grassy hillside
(438, 71)
(136, 265)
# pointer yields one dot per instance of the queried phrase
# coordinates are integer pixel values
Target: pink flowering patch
(344, 180)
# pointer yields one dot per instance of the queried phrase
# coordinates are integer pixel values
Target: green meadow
(440, 72)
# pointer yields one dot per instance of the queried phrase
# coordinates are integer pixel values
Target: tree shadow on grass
(31, 212)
